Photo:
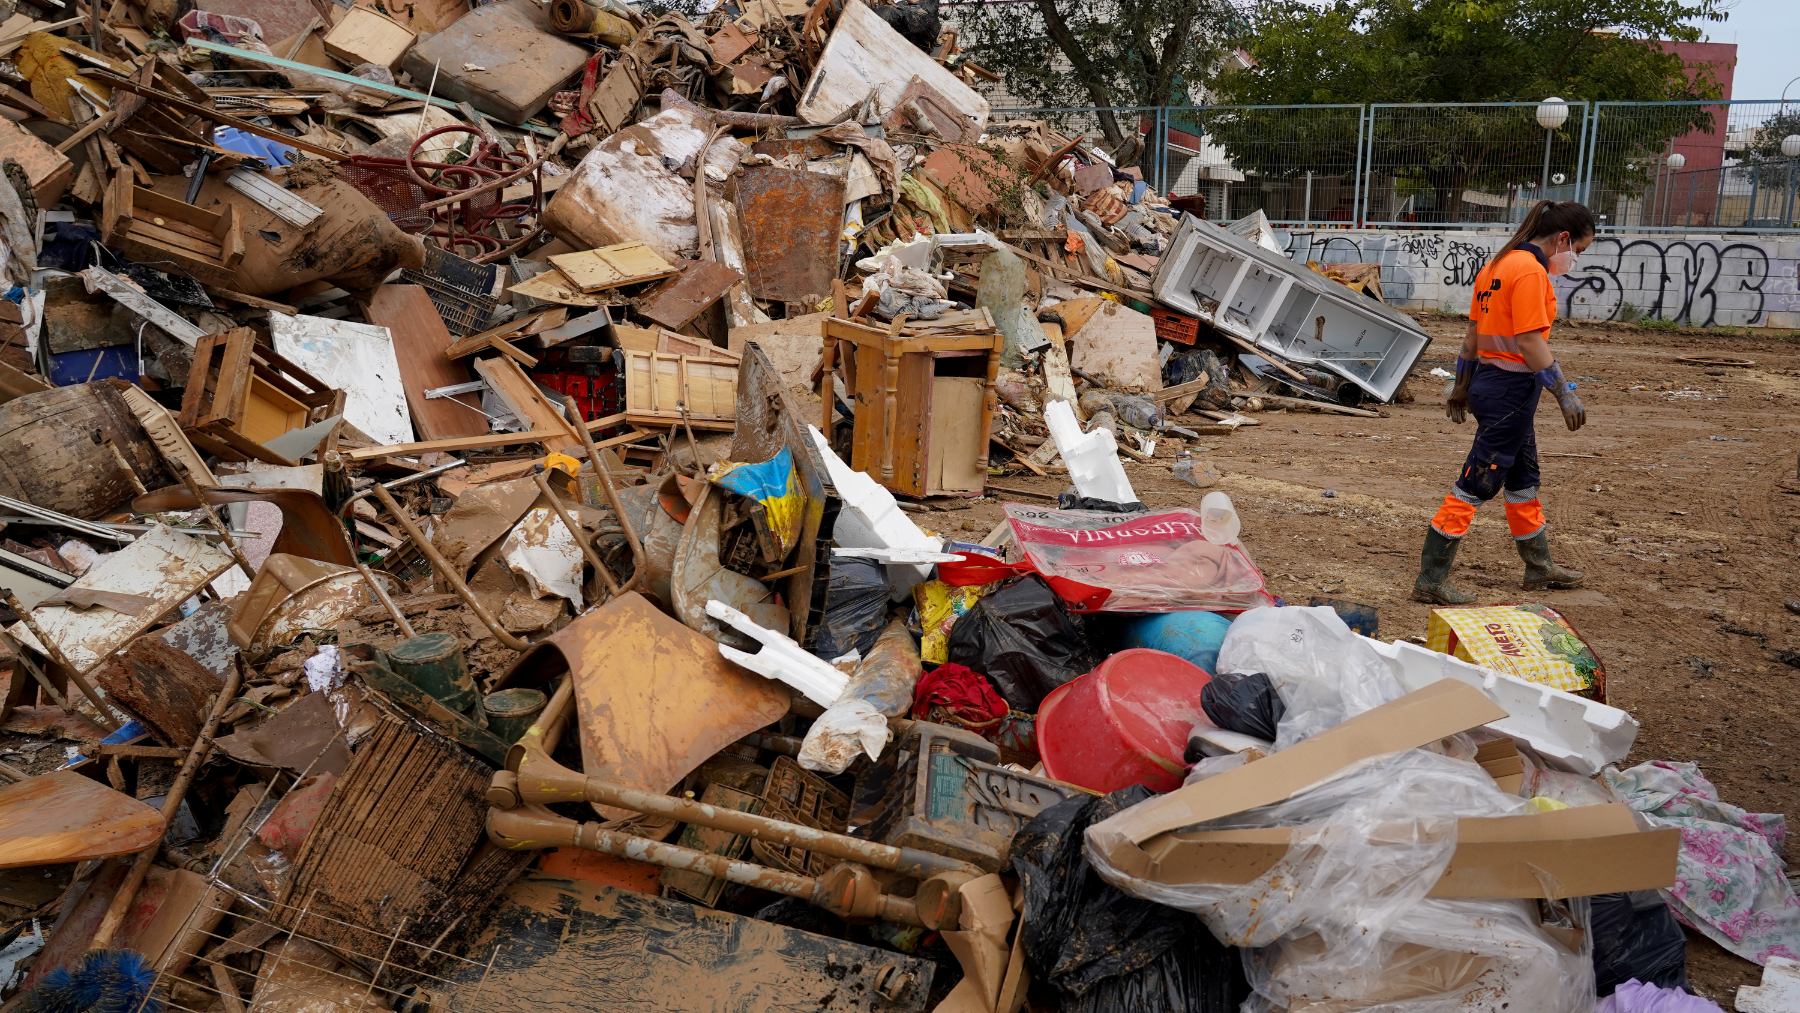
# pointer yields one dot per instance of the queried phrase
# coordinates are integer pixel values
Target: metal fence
(1642, 166)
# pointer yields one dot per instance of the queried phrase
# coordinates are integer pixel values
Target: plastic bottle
(1184, 467)
(1219, 522)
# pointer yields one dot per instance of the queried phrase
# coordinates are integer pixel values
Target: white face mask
(1564, 262)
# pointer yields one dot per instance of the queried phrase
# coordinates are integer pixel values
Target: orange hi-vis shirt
(1513, 296)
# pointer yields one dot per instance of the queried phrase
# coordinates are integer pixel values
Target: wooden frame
(658, 383)
(890, 381)
(161, 231)
(239, 395)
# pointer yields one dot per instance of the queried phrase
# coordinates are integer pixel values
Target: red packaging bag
(1149, 562)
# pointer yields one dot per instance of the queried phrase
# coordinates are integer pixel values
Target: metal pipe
(1544, 193)
(608, 488)
(446, 572)
(534, 829)
(582, 541)
(381, 595)
(127, 892)
(543, 781)
(107, 718)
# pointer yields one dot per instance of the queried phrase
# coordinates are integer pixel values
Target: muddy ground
(1680, 499)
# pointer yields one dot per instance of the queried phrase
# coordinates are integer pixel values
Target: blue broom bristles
(106, 981)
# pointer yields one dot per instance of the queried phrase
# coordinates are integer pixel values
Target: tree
(1762, 156)
(1113, 53)
(1468, 51)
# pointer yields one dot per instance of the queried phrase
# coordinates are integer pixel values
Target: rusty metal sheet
(653, 699)
(791, 220)
(679, 300)
(967, 174)
(163, 565)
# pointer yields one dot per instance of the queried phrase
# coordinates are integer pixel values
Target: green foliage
(1464, 51)
(1764, 151)
(1104, 53)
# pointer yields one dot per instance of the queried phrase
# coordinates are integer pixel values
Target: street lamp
(1674, 162)
(1552, 113)
(1790, 147)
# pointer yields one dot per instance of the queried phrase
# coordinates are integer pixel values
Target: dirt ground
(1680, 499)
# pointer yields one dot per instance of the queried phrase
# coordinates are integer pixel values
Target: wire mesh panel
(1694, 165)
(1296, 164)
(1470, 164)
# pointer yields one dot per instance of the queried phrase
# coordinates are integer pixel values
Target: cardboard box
(364, 36)
(1530, 642)
(1568, 853)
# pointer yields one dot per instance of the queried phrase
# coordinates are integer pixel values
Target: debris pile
(459, 471)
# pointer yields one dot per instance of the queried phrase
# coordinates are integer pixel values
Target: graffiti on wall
(1701, 282)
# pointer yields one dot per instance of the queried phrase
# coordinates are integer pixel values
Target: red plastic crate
(1177, 327)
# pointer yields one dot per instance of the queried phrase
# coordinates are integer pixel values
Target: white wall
(1730, 281)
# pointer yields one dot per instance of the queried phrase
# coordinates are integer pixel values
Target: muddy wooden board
(420, 344)
(567, 946)
(677, 301)
(612, 266)
(791, 224)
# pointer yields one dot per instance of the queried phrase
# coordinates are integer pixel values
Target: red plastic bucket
(1124, 723)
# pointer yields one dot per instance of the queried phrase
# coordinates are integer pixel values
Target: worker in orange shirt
(1504, 363)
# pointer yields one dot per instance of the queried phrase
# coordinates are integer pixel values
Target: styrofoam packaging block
(1571, 732)
(1092, 458)
(780, 658)
(872, 519)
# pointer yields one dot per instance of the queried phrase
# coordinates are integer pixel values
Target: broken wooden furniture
(664, 389)
(63, 816)
(922, 402)
(240, 396)
(168, 234)
(533, 780)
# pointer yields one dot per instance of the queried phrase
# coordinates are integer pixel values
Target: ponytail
(1548, 217)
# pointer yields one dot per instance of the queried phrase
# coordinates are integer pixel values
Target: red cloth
(960, 690)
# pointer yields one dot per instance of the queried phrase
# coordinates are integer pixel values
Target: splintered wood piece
(162, 685)
(523, 398)
(64, 817)
(613, 266)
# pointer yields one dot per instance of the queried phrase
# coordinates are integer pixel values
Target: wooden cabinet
(923, 399)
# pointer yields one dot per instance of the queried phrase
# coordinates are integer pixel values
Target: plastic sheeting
(1149, 562)
(1323, 672)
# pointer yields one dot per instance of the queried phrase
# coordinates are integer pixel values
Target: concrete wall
(1702, 280)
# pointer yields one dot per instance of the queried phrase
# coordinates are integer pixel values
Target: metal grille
(1468, 165)
(1694, 165)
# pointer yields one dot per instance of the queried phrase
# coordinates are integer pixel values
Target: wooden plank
(447, 446)
(64, 817)
(523, 398)
(1324, 406)
(1180, 389)
(611, 267)
(658, 384)
(420, 341)
(675, 303)
(555, 286)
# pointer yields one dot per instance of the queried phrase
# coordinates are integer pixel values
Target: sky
(1765, 32)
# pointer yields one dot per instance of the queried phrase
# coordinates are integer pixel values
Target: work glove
(1456, 404)
(1573, 411)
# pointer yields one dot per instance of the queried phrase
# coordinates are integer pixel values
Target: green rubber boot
(1541, 572)
(1433, 586)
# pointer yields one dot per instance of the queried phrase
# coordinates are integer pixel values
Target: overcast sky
(1766, 33)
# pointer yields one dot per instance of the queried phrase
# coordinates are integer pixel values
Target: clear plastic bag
(1324, 673)
(848, 728)
(1343, 916)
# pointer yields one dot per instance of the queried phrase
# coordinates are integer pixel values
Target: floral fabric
(1730, 880)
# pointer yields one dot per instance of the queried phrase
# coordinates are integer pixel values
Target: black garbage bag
(1246, 704)
(1023, 640)
(1102, 950)
(1069, 499)
(1636, 936)
(856, 607)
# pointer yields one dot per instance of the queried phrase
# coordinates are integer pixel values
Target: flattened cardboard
(1407, 723)
(1567, 853)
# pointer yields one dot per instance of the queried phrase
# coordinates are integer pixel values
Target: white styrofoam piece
(1571, 732)
(1092, 458)
(356, 358)
(1223, 742)
(1779, 991)
(780, 658)
(872, 519)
